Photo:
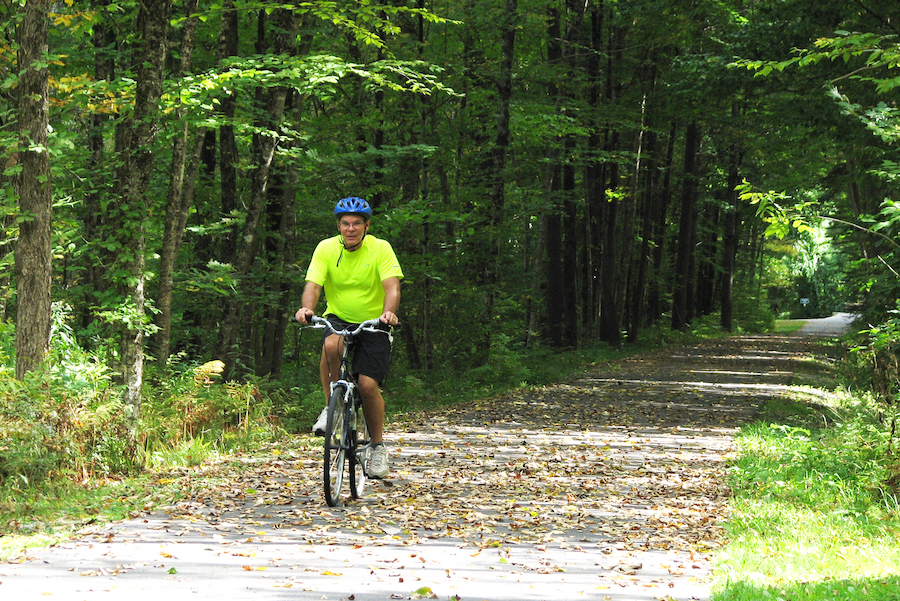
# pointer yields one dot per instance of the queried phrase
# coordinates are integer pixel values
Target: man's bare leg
(373, 407)
(330, 363)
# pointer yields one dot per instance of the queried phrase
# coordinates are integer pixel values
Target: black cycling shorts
(371, 354)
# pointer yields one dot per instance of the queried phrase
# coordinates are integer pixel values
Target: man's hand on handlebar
(307, 317)
(303, 315)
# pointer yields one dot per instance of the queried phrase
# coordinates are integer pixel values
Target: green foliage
(873, 365)
(68, 420)
(773, 209)
(839, 468)
(127, 315)
(31, 449)
(810, 266)
(818, 275)
(320, 76)
(752, 312)
(7, 350)
(870, 52)
(48, 431)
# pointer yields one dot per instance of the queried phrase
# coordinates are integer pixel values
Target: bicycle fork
(351, 392)
(346, 400)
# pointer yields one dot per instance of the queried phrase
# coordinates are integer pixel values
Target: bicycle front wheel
(335, 447)
(360, 452)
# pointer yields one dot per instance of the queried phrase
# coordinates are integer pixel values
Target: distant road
(835, 326)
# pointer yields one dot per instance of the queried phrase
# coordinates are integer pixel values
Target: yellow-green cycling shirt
(353, 280)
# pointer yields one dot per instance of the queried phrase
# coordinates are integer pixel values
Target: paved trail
(609, 486)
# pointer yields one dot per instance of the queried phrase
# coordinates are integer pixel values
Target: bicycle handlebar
(370, 325)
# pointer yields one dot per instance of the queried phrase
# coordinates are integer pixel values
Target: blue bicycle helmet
(354, 205)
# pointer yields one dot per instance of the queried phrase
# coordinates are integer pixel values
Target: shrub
(873, 366)
(63, 419)
(193, 403)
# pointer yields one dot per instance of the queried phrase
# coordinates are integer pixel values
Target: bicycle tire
(335, 447)
(360, 453)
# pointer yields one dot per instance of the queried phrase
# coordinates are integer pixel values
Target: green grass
(811, 517)
(786, 326)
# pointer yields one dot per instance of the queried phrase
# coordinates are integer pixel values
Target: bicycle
(344, 439)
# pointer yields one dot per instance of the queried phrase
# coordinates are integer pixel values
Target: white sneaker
(378, 462)
(321, 423)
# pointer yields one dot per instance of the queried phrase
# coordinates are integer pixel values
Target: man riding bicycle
(360, 276)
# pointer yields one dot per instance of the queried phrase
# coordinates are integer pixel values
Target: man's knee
(331, 350)
(368, 387)
(331, 345)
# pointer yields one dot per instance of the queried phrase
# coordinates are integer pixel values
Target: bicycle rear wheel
(335, 447)
(360, 452)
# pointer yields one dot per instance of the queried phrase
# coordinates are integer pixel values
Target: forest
(553, 174)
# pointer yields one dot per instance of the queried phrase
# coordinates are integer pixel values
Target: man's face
(352, 229)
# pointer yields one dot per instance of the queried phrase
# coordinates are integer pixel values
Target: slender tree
(555, 286)
(730, 240)
(494, 214)
(178, 201)
(687, 228)
(272, 103)
(134, 142)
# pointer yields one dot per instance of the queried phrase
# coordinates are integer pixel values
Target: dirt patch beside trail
(610, 485)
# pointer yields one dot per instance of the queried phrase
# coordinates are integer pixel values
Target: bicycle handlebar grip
(313, 319)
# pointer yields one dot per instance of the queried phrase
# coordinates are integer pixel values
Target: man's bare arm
(391, 300)
(310, 299)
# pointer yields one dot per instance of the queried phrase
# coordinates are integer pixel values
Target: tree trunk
(610, 327)
(493, 216)
(648, 177)
(610, 324)
(661, 211)
(595, 191)
(33, 249)
(228, 150)
(572, 299)
(104, 45)
(281, 249)
(706, 253)
(568, 318)
(552, 232)
(686, 229)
